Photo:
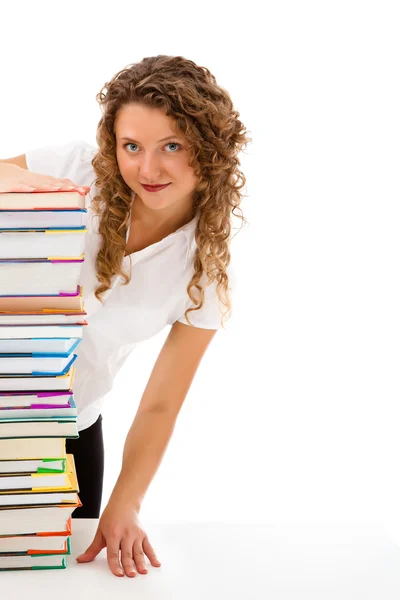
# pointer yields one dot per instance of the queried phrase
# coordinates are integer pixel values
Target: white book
(32, 449)
(37, 481)
(35, 499)
(38, 400)
(40, 329)
(73, 318)
(43, 365)
(34, 561)
(21, 429)
(42, 243)
(36, 413)
(43, 218)
(30, 466)
(39, 346)
(49, 200)
(32, 383)
(26, 543)
(40, 277)
(22, 520)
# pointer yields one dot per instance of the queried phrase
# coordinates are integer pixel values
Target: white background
(294, 412)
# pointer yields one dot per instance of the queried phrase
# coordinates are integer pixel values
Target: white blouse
(155, 297)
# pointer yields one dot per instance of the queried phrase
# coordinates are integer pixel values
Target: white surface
(215, 560)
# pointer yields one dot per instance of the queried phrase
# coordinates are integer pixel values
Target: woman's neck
(165, 220)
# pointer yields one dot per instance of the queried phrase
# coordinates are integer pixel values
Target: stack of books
(42, 242)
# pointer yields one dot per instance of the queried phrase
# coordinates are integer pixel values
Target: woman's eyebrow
(127, 139)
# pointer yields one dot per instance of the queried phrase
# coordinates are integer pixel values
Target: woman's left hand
(120, 529)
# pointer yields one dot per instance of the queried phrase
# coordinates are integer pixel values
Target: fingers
(92, 551)
(138, 557)
(83, 190)
(113, 556)
(58, 184)
(126, 557)
(63, 182)
(67, 184)
(132, 553)
(23, 188)
(23, 181)
(148, 549)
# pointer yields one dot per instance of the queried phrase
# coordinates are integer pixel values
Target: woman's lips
(154, 188)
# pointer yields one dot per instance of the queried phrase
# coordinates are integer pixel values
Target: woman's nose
(150, 166)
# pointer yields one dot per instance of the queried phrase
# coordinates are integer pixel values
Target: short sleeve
(209, 316)
(71, 160)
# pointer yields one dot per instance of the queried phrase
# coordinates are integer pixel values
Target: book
(41, 307)
(35, 500)
(47, 330)
(43, 218)
(53, 302)
(40, 383)
(41, 276)
(47, 366)
(41, 520)
(42, 482)
(44, 465)
(52, 427)
(48, 200)
(35, 544)
(34, 364)
(37, 483)
(41, 243)
(40, 318)
(36, 411)
(39, 346)
(39, 400)
(52, 493)
(31, 562)
(32, 448)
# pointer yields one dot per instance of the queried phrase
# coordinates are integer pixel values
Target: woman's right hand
(16, 179)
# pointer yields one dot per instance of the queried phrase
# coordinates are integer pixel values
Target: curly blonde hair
(204, 114)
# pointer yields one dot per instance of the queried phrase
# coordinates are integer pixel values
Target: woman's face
(149, 152)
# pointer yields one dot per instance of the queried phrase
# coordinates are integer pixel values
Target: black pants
(88, 451)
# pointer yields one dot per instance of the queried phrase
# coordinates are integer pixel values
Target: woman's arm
(161, 402)
(14, 178)
(119, 527)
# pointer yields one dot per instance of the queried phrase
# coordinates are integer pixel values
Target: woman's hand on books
(119, 529)
(16, 179)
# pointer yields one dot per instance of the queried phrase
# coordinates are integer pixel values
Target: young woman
(161, 188)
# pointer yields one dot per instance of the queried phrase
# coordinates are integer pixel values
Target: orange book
(34, 544)
(37, 520)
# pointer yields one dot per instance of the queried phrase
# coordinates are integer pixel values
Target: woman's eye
(173, 144)
(178, 146)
